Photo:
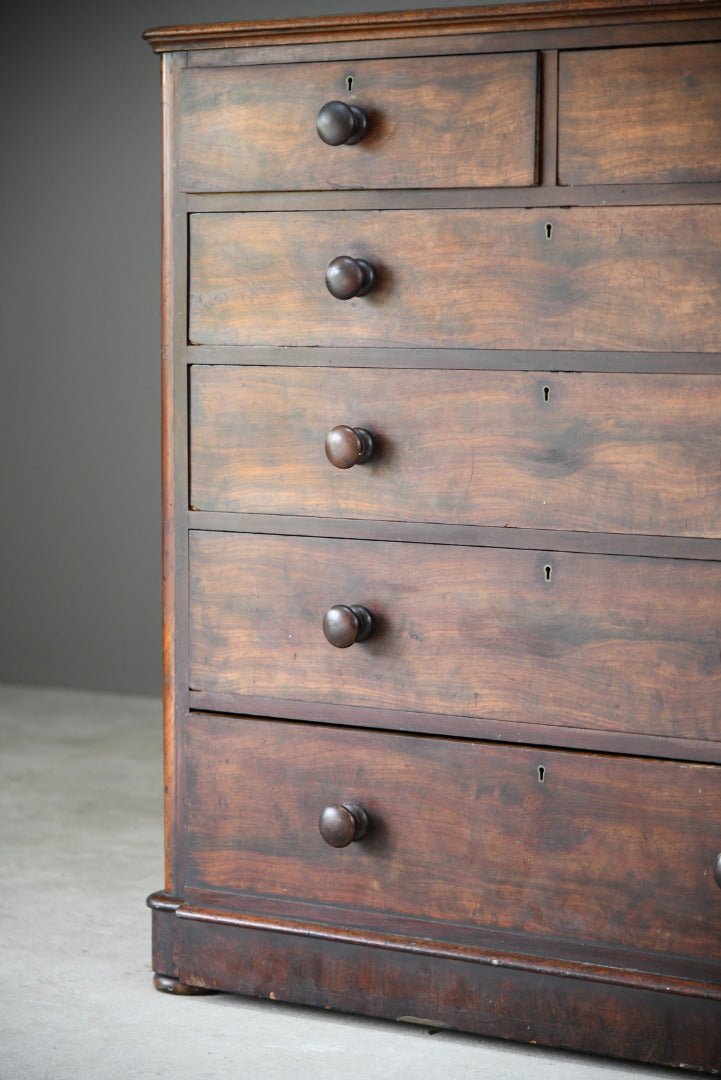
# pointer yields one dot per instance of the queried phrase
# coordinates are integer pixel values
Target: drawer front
(433, 122)
(611, 643)
(644, 114)
(608, 453)
(630, 278)
(599, 850)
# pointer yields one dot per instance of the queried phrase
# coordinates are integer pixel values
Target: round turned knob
(347, 446)
(347, 277)
(717, 870)
(344, 624)
(339, 123)
(343, 823)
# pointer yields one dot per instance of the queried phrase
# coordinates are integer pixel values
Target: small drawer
(640, 115)
(632, 278)
(601, 642)
(593, 452)
(597, 850)
(432, 122)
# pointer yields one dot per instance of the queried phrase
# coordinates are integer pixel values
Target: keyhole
(349, 83)
(548, 570)
(549, 230)
(541, 774)
(547, 393)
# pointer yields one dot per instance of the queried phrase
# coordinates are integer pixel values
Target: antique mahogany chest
(442, 519)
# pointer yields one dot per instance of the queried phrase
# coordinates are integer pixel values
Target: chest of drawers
(442, 520)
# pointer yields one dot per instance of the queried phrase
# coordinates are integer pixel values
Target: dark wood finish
(255, 129)
(560, 896)
(460, 726)
(415, 25)
(342, 824)
(487, 998)
(347, 277)
(346, 624)
(594, 452)
(174, 472)
(565, 360)
(670, 547)
(619, 644)
(460, 199)
(340, 124)
(603, 278)
(570, 846)
(644, 114)
(346, 446)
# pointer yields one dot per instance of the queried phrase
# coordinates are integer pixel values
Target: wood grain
(616, 277)
(645, 114)
(435, 122)
(379, 27)
(603, 850)
(605, 642)
(486, 998)
(594, 452)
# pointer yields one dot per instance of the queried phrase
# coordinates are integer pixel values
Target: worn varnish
(635, 115)
(499, 842)
(595, 452)
(605, 642)
(432, 122)
(475, 631)
(580, 278)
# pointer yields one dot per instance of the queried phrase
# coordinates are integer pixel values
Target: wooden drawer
(613, 643)
(642, 114)
(433, 122)
(629, 278)
(607, 453)
(592, 849)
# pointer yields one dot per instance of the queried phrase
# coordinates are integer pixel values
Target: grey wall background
(79, 345)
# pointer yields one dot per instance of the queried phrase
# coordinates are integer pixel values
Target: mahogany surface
(627, 116)
(604, 642)
(549, 450)
(514, 736)
(478, 114)
(605, 278)
(460, 832)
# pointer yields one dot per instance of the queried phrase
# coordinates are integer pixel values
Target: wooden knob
(347, 446)
(339, 124)
(343, 823)
(717, 870)
(347, 277)
(344, 624)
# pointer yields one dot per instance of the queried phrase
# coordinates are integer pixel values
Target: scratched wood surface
(628, 278)
(607, 642)
(607, 453)
(467, 833)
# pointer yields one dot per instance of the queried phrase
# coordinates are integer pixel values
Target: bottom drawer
(601, 851)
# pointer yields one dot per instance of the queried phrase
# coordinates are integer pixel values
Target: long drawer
(593, 849)
(607, 453)
(432, 122)
(631, 278)
(585, 641)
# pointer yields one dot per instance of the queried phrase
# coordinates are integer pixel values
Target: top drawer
(433, 122)
(640, 115)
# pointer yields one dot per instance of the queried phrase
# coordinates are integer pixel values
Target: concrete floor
(81, 847)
